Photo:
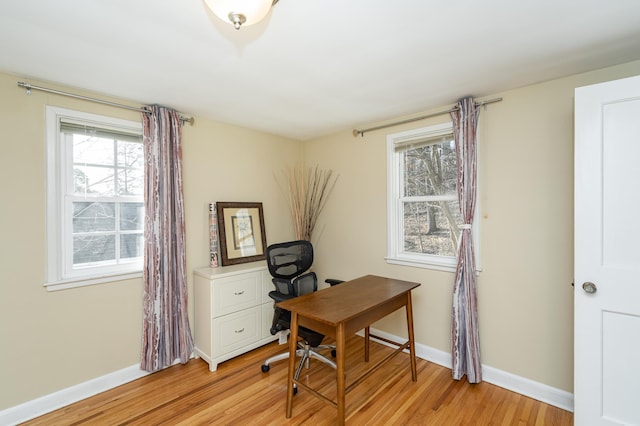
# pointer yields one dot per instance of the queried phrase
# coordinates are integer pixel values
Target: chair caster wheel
(295, 390)
(265, 368)
(333, 353)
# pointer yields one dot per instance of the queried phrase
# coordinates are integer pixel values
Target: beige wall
(526, 214)
(52, 340)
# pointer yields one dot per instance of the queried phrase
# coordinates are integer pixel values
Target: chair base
(305, 352)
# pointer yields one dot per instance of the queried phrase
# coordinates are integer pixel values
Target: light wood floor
(238, 393)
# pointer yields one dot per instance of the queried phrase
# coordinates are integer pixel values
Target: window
(423, 209)
(95, 205)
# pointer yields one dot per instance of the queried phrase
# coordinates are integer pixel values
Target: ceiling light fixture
(240, 12)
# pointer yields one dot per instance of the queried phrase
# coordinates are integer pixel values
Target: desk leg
(412, 345)
(340, 374)
(293, 345)
(367, 340)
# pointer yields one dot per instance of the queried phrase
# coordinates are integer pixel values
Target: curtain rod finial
(27, 86)
(189, 120)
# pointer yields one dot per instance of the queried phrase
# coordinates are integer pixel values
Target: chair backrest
(289, 260)
(288, 264)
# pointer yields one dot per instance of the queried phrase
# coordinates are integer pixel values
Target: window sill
(446, 267)
(86, 281)
(436, 266)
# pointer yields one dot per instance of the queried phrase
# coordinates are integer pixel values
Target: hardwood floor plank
(239, 393)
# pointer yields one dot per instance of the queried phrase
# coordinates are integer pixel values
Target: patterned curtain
(465, 345)
(166, 335)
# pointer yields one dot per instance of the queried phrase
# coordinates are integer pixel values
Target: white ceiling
(313, 67)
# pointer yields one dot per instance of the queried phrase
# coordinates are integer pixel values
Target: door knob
(589, 287)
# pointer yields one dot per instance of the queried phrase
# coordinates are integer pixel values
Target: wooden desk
(343, 310)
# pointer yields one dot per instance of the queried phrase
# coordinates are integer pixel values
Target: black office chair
(289, 264)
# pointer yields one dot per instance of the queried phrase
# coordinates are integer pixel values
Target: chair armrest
(333, 282)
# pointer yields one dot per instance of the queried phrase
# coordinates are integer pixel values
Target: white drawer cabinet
(233, 311)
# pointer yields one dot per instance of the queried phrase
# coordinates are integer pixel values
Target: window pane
(88, 149)
(130, 154)
(131, 216)
(131, 182)
(131, 245)
(93, 217)
(93, 180)
(90, 248)
(131, 168)
(428, 227)
(430, 170)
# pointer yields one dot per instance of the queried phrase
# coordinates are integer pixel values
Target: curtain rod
(30, 87)
(361, 132)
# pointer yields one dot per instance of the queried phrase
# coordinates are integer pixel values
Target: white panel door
(607, 254)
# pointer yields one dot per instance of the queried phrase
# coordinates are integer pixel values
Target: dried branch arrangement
(308, 193)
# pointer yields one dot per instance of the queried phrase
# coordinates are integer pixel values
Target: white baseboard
(37, 407)
(527, 387)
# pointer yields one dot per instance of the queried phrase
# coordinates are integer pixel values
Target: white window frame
(58, 220)
(395, 220)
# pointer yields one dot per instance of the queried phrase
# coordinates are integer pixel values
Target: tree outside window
(430, 204)
(108, 184)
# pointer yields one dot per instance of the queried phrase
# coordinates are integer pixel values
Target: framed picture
(241, 230)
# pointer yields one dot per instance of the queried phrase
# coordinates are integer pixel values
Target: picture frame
(241, 231)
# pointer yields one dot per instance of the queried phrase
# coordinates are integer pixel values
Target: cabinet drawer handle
(240, 331)
(238, 293)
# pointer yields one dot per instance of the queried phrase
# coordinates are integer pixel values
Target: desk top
(349, 299)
